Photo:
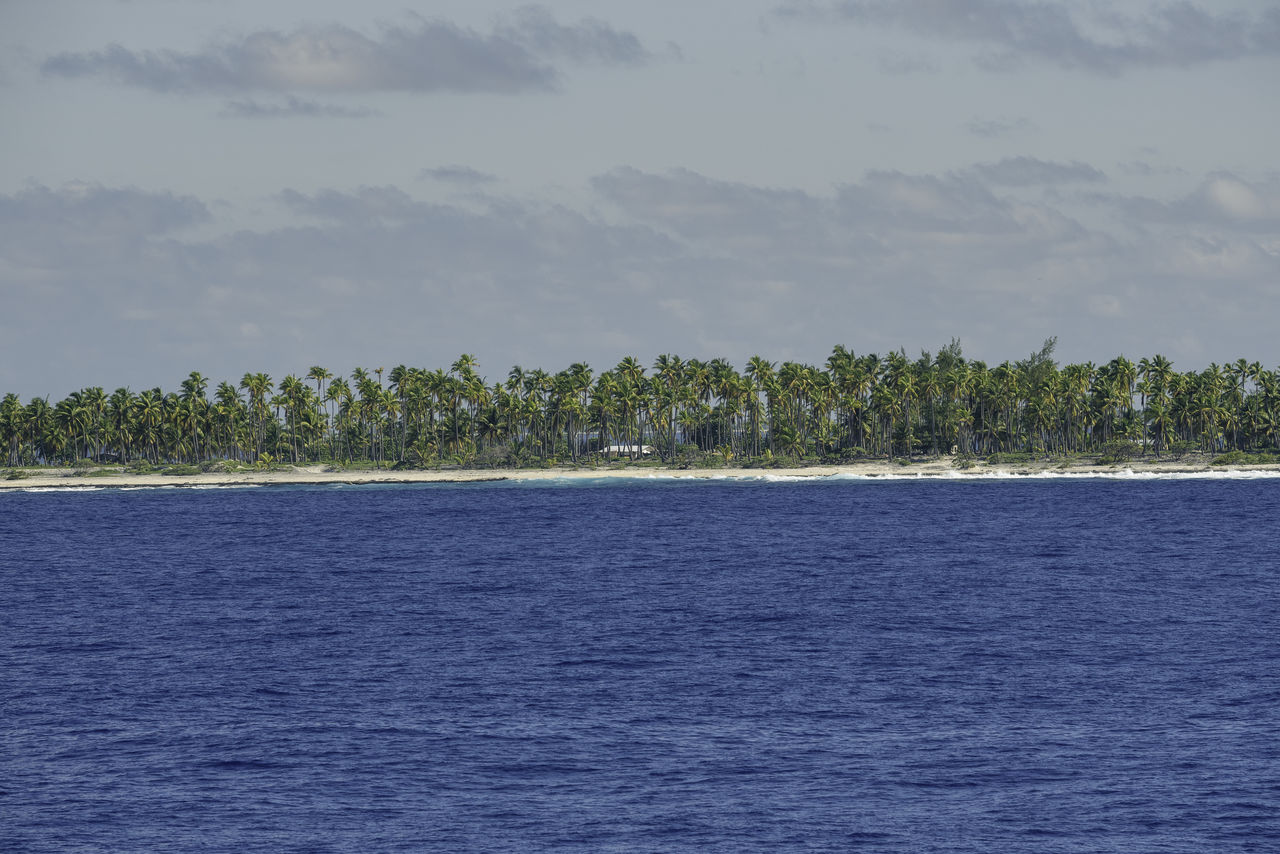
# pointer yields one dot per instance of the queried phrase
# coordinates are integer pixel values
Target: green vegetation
(99, 471)
(180, 470)
(1240, 458)
(678, 412)
(1118, 451)
(1012, 458)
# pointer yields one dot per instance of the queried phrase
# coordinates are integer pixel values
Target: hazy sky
(231, 186)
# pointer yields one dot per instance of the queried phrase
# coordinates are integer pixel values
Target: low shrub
(180, 470)
(1010, 458)
(1116, 451)
(1240, 458)
(223, 466)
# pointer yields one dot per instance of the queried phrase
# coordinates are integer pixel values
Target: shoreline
(941, 468)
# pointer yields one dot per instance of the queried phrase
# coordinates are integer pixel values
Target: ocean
(965, 665)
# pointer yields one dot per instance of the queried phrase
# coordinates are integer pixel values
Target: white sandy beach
(320, 474)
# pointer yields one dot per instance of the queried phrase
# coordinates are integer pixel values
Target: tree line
(676, 409)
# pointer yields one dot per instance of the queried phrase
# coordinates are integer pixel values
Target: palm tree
(902, 383)
(340, 394)
(669, 372)
(320, 376)
(604, 409)
(887, 406)
(631, 400)
(193, 390)
(228, 415)
(259, 387)
(71, 418)
(120, 421)
(388, 410)
(293, 393)
(12, 426)
(148, 408)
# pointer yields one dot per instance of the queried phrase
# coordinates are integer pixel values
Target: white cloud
(1237, 200)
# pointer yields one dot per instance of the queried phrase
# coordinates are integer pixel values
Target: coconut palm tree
(12, 426)
(148, 411)
(259, 388)
(194, 405)
(669, 374)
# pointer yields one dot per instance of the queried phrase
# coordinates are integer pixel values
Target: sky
(230, 187)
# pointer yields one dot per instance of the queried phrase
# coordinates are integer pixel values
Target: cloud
(383, 204)
(292, 106)
(428, 56)
(901, 64)
(1028, 171)
(1010, 32)
(1144, 169)
(590, 41)
(994, 128)
(455, 174)
(676, 261)
(694, 207)
(1222, 200)
(87, 224)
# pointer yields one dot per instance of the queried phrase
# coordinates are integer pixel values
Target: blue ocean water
(1012, 666)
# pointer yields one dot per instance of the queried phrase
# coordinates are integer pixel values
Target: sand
(319, 474)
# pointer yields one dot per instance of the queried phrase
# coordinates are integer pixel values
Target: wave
(85, 488)
(1126, 474)
(100, 487)
(707, 478)
(1120, 474)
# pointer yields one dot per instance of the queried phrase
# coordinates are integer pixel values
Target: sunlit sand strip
(43, 479)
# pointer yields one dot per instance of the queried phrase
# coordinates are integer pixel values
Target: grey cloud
(591, 40)
(89, 224)
(694, 206)
(1029, 171)
(293, 106)
(993, 128)
(682, 262)
(366, 204)
(91, 207)
(889, 227)
(75, 259)
(1222, 200)
(455, 174)
(511, 282)
(430, 56)
(925, 252)
(1146, 170)
(927, 204)
(1176, 34)
(900, 64)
